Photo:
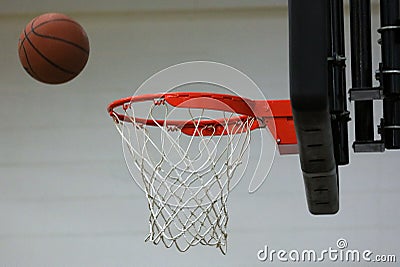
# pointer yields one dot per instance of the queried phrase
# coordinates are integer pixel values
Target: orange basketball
(53, 48)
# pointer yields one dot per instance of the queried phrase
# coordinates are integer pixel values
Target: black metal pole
(361, 67)
(390, 71)
(337, 84)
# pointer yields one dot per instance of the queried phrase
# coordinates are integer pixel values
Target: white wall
(66, 198)
(40, 6)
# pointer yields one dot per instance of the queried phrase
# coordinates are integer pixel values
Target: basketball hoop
(187, 147)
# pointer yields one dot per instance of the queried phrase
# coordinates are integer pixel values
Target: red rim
(240, 105)
(230, 103)
(273, 114)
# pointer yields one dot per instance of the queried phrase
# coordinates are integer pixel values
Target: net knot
(159, 101)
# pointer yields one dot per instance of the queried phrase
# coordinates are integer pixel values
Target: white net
(186, 169)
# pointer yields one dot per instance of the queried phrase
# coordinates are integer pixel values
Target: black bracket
(360, 94)
(369, 146)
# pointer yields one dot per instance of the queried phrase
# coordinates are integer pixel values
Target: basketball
(53, 48)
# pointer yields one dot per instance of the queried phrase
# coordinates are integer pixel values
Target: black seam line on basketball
(48, 21)
(27, 34)
(23, 40)
(21, 44)
(35, 75)
(62, 40)
(30, 70)
(48, 60)
(54, 37)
